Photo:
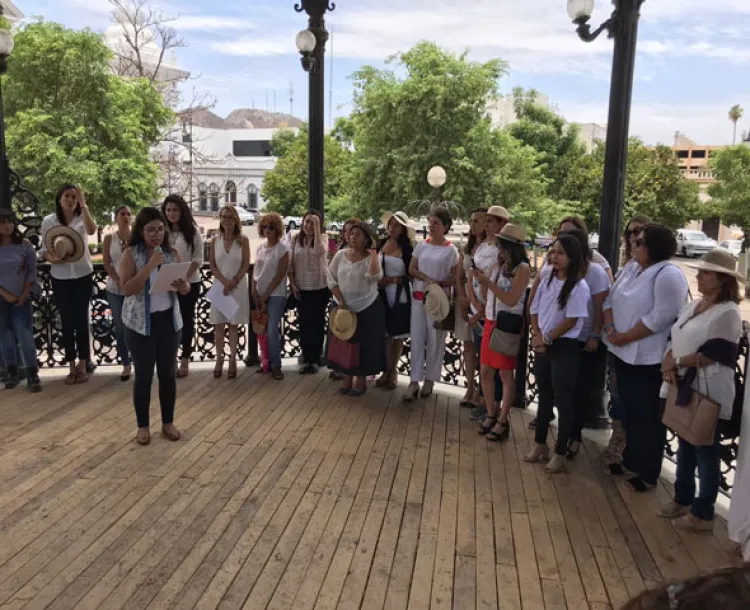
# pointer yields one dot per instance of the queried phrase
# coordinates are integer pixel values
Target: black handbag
(398, 317)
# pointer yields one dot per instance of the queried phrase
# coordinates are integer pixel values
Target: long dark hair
(586, 252)
(403, 241)
(186, 225)
(471, 243)
(15, 237)
(145, 216)
(573, 274)
(516, 256)
(58, 203)
(302, 236)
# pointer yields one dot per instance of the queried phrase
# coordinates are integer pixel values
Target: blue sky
(693, 62)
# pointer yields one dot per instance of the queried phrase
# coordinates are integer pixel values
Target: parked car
(335, 225)
(733, 245)
(246, 218)
(292, 222)
(693, 243)
(543, 241)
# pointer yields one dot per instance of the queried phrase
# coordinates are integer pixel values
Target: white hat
(402, 219)
(718, 260)
(499, 212)
(436, 303)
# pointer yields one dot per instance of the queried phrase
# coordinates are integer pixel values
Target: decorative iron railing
(47, 332)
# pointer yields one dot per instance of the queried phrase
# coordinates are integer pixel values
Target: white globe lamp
(436, 177)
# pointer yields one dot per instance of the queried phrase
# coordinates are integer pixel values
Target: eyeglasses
(154, 230)
(630, 232)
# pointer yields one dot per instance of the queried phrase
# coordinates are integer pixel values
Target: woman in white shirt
(592, 370)
(113, 247)
(702, 357)
(230, 260)
(505, 287)
(558, 312)
(353, 278)
(639, 312)
(72, 283)
(188, 241)
(269, 284)
(308, 275)
(434, 261)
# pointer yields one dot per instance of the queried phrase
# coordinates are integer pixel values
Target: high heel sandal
(556, 464)
(232, 370)
(383, 381)
(483, 430)
(499, 437)
(574, 446)
(219, 368)
(540, 453)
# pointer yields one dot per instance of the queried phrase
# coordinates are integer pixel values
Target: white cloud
(208, 22)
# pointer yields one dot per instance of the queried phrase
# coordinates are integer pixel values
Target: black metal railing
(47, 332)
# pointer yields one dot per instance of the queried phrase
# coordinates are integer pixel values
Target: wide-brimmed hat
(499, 212)
(718, 260)
(402, 219)
(436, 303)
(65, 243)
(513, 234)
(343, 323)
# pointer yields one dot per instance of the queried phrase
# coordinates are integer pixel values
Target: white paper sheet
(225, 303)
(167, 275)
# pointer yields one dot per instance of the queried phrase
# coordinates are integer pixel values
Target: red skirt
(488, 357)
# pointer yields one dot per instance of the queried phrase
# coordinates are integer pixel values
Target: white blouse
(545, 305)
(267, 262)
(435, 262)
(598, 282)
(179, 243)
(485, 258)
(654, 296)
(722, 321)
(495, 305)
(116, 248)
(358, 287)
(69, 271)
(394, 266)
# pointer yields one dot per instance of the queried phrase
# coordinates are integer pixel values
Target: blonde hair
(237, 222)
(274, 222)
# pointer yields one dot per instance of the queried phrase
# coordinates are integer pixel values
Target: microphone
(158, 250)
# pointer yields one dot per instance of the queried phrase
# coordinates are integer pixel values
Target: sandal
(232, 370)
(616, 470)
(574, 446)
(355, 393)
(126, 371)
(638, 485)
(219, 368)
(70, 379)
(484, 430)
(499, 437)
(383, 381)
(427, 389)
(172, 433)
(143, 437)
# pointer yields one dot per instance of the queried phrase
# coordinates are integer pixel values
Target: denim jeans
(115, 304)
(275, 307)
(707, 460)
(16, 325)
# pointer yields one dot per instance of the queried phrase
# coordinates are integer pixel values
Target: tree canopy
(731, 193)
(69, 119)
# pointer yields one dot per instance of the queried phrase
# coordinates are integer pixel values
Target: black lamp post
(311, 44)
(622, 26)
(6, 47)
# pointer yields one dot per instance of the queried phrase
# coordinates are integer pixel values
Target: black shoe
(33, 384)
(90, 367)
(252, 361)
(11, 379)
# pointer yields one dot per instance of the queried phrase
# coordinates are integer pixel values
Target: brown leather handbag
(695, 422)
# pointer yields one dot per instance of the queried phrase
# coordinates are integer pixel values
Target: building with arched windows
(229, 157)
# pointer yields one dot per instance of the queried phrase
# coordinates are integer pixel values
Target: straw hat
(343, 323)
(402, 219)
(718, 260)
(499, 212)
(436, 303)
(65, 243)
(513, 234)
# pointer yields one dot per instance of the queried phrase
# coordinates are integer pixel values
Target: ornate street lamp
(11, 189)
(311, 44)
(622, 27)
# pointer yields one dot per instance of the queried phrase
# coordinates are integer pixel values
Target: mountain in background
(243, 118)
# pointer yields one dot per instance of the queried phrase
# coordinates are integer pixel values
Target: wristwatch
(547, 340)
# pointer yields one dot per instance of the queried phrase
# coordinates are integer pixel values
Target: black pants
(158, 349)
(187, 309)
(556, 374)
(311, 308)
(638, 387)
(590, 386)
(72, 298)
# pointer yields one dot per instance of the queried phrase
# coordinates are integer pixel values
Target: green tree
(735, 114)
(653, 186)
(731, 193)
(286, 186)
(69, 119)
(428, 107)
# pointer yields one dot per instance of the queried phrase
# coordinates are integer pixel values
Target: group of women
(641, 325)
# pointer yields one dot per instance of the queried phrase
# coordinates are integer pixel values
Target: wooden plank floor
(287, 495)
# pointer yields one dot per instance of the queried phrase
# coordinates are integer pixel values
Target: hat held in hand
(343, 323)
(436, 303)
(65, 243)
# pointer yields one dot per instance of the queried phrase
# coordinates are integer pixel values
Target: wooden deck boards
(286, 495)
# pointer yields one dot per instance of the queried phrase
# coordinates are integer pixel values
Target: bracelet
(595, 336)
(547, 340)
(608, 327)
